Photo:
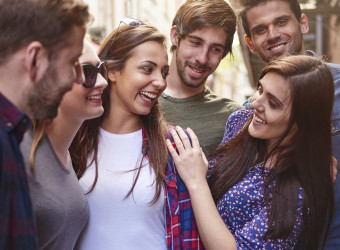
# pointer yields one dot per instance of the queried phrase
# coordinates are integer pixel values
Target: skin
(30, 72)
(197, 56)
(144, 74)
(275, 31)
(62, 72)
(272, 108)
(83, 103)
(272, 104)
(76, 107)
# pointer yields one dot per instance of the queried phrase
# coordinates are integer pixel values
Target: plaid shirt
(17, 225)
(181, 228)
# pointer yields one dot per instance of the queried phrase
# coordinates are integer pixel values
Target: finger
(204, 158)
(171, 149)
(194, 140)
(184, 137)
(177, 140)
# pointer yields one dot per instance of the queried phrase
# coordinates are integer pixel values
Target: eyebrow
(151, 62)
(271, 95)
(275, 20)
(200, 39)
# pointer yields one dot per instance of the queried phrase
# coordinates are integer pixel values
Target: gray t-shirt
(205, 113)
(60, 206)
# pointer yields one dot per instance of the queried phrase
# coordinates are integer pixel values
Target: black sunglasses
(125, 21)
(91, 72)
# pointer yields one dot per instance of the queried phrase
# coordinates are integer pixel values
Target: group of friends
(118, 149)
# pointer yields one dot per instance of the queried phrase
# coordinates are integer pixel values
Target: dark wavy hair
(304, 162)
(116, 49)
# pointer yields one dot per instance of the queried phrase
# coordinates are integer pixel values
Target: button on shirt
(17, 226)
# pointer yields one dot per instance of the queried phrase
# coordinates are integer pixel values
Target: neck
(118, 121)
(14, 85)
(61, 133)
(175, 86)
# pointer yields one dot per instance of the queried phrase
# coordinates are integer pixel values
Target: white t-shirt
(116, 222)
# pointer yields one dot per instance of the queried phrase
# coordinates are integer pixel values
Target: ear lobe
(112, 76)
(36, 60)
(304, 24)
(174, 35)
(249, 43)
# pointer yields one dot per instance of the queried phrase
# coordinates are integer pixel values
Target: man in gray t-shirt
(199, 43)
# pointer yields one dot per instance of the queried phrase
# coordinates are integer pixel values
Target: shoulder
(169, 136)
(239, 117)
(335, 69)
(235, 123)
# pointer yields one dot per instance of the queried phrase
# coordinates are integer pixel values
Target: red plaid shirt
(181, 228)
(17, 226)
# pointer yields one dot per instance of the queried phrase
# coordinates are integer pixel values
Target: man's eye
(195, 43)
(260, 31)
(216, 49)
(282, 22)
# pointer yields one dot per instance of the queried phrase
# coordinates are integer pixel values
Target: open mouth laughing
(148, 95)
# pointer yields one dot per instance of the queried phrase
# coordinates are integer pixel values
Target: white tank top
(116, 222)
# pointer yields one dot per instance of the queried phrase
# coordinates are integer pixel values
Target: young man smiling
(202, 34)
(40, 44)
(275, 28)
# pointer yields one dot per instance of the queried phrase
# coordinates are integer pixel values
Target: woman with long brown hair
(271, 176)
(121, 157)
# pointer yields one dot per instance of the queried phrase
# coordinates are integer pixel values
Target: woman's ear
(112, 75)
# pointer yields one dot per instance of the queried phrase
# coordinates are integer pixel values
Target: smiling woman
(264, 174)
(123, 165)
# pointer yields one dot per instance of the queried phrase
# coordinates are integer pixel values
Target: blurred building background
(236, 76)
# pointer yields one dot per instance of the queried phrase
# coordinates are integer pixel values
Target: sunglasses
(91, 72)
(125, 21)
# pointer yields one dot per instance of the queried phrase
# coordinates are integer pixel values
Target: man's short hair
(46, 21)
(198, 14)
(248, 4)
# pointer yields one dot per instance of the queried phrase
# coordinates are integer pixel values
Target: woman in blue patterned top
(271, 179)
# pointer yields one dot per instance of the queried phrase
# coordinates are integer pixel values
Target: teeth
(95, 97)
(151, 96)
(259, 120)
(277, 47)
(198, 71)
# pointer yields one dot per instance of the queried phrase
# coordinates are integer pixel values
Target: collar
(12, 118)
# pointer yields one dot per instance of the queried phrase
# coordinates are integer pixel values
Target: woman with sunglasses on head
(60, 207)
(124, 166)
(271, 179)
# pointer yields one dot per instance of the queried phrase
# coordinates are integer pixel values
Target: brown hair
(118, 48)
(197, 14)
(248, 4)
(49, 22)
(304, 162)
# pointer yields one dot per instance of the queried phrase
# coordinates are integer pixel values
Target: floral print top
(242, 207)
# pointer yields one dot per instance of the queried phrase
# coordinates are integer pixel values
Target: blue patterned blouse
(242, 207)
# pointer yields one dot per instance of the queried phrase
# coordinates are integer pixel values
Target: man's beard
(45, 97)
(181, 73)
